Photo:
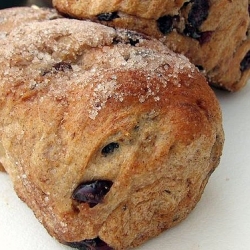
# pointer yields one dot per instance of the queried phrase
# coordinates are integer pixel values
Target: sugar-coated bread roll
(107, 135)
(213, 34)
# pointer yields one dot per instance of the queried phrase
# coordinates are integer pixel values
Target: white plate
(221, 220)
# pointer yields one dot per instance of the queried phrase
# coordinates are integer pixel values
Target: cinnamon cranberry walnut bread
(107, 135)
(213, 34)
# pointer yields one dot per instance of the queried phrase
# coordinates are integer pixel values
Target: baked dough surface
(213, 34)
(69, 89)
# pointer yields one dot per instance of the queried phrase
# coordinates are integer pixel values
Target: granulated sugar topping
(60, 54)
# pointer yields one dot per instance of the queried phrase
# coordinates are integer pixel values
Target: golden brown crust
(68, 88)
(219, 48)
(149, 9)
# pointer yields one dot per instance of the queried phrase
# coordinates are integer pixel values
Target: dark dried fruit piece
(165, 24)
(128, 37)
(62, 66)
(200, 67)
(245, 63)
(198, 13)
(108, 149)
(92, 192)
(192, 31)
(92, 244)
(133, 42)
(132, 38)
(205, 37)
(107, 16)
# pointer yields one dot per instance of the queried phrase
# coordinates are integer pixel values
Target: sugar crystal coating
(77, 54)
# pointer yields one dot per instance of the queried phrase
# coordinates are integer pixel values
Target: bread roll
(107, 135)
(213, 34)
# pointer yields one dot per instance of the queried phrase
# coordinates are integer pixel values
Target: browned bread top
(213, 34)
(86, 108)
